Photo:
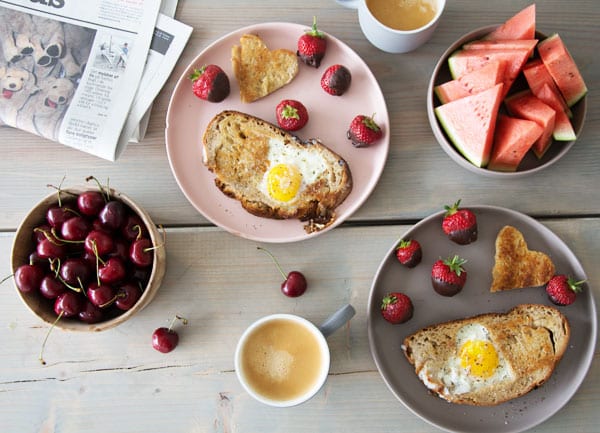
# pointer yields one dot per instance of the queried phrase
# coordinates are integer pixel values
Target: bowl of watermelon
(507, 100)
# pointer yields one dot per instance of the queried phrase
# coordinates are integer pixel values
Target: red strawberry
(448, 276)
(460, 224)
(363, 131)
(291, 114)
(409, 253)
(210, 83)
(396, 308)
(336, 80)
(562, 290)
(312, 46)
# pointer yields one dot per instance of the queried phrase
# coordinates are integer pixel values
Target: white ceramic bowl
(24, 244)
(530, 164)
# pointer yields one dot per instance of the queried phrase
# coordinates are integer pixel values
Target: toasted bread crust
(532, 337)
(235, 148)
(260, 71)
(516, 266)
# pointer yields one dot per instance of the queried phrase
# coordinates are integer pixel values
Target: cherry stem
(7, 278)
(46, 339)
(53, 239)
(105, 192)
(59, 189)
(154, 247)
(264, 250)
(177, 317)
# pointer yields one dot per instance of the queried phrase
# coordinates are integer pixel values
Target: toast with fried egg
(515, 265)
(491, 358)
(260, 71)
(273, 173)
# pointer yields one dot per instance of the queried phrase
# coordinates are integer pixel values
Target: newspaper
(87, 71)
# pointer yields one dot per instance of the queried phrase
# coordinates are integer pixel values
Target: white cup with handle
(391, 27)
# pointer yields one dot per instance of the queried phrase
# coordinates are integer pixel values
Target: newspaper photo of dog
(41, 63)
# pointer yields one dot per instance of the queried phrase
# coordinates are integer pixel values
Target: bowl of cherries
(87, 258)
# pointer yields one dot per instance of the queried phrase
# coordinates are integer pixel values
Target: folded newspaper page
(71, 70)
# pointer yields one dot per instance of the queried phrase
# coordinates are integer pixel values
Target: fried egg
(476, 363)
(290, 171)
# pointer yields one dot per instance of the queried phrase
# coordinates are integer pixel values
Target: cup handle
(352, 4)
(337, 319)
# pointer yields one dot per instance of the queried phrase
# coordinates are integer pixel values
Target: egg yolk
(283, 182)
(479, 358)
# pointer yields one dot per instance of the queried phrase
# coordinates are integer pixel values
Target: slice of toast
(515, 265)
(530, 340)
(241, 150)
(260, 71)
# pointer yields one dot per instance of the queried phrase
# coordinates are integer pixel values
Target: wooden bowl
(530, 163)
(24, 244)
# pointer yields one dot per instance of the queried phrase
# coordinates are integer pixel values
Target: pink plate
(330, 116)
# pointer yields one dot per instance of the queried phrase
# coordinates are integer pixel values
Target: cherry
(57, 215)
(75, 229)
(294, 284)
(112, 271)
(121, 249)
(51, 249)
(99, 242)
(141, 275)
(134, 228)
(51, 287)
(127, 295)
(90, 313)
(100, 295)
(68, 304)
(166, 339)
(40, 231)
(75, 272)
(141, 252)
(113, 215)
(28, 278)
(90, 203)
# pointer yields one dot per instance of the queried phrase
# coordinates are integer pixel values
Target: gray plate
(385, 339)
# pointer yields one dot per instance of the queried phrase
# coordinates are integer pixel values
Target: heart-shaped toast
(516, 266)
(260, 71)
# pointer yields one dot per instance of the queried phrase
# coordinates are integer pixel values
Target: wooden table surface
(114, 381)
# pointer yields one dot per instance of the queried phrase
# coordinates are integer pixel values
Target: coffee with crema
(281, 360)
(403, 14)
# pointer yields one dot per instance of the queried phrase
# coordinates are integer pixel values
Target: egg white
(310, 165)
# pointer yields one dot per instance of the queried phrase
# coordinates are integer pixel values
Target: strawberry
(312, 45)
(562, 290)
(409, 253)
(336, 80)
(210, 83)
(460, 224)
(364, 131)
(396, 308)
(448, 277)
(291, 114)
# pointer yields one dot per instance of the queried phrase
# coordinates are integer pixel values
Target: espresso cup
(283, 360)
(391, 27)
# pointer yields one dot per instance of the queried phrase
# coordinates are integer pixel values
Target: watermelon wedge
(513, 139)
(537, 75)
(527, 106)
(469, 123)
(563, 130)
(465, 61)
(509, 44)
(562, 68)
(471, 83)
(519, 26)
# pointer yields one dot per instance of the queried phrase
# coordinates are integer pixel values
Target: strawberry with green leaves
(291, 115)
(448, 276)
(460, 224)
(396, 308)
(312, 46)
(562, 290)
(210, 83)
(363, 131)
(409, 252)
